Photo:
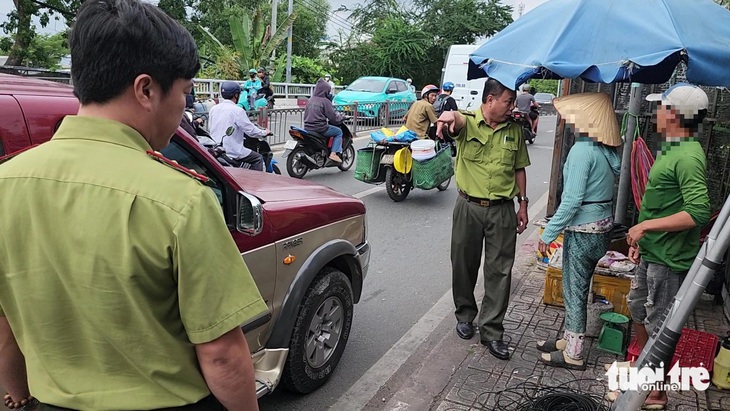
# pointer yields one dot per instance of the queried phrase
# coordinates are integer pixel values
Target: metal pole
(274, 9)
(624, 182)
(289, 44)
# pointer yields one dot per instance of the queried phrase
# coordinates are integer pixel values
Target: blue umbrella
(610, 41)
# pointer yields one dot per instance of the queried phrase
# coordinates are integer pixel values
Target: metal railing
(210, 88)
(362, 117)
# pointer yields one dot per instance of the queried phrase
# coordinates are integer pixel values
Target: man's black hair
(114, 41)
(494, 88)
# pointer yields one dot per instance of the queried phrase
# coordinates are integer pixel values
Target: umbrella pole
(661, 346)
(624, 182)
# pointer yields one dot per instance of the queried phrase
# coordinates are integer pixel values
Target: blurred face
(327, 78)
(253, 75)
(498, 109)
(431, 97)
(261, 74)
(666, 119)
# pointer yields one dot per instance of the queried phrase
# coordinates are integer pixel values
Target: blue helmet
(230, 89)
(448, 86)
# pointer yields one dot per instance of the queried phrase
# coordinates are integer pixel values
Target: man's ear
(145, 90)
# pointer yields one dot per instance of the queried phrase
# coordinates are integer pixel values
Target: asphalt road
(410, 268)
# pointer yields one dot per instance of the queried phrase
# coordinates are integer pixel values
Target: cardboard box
(558, 243)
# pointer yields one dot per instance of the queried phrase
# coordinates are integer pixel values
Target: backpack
(439, 104)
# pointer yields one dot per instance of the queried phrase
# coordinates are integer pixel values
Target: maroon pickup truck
(305, 244)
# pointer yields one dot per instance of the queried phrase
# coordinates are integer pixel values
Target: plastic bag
(387, 132)
(406, 136)
(401, 129)
(378, 136)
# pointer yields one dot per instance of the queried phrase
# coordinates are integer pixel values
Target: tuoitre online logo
(648, 379)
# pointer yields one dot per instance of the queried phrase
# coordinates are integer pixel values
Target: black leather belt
(209, 403)
(484, 202)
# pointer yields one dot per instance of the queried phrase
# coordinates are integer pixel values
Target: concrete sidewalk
(453, 374)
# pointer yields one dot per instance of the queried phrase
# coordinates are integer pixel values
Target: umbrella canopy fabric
(610, 41)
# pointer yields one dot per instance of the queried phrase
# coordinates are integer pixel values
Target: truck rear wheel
(320, 332)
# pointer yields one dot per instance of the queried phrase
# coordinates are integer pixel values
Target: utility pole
(274, 7)
(289, 44)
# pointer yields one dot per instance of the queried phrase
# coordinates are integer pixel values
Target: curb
(428, 376)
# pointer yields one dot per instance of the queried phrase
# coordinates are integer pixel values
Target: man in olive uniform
(120, 285)
(490, 172)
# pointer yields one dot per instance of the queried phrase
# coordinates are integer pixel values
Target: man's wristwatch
(523, 198)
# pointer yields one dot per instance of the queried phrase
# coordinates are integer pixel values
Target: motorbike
(521, 119)
(257, 144)
(310, 151)
(260, 102)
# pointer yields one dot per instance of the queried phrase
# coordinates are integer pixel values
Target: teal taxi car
(372, 95)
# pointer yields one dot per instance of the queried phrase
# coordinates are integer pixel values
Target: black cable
(568, 396)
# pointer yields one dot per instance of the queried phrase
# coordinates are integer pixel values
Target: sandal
(549, 346)
(557, 359)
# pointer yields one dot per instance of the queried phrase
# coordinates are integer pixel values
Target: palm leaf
(211, 37)
(277, 37)
(257, 27)
(241, 34)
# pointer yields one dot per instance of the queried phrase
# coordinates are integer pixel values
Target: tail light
(296, 134)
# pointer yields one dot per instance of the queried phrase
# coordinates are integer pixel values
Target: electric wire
(572, 395)
(332, 16)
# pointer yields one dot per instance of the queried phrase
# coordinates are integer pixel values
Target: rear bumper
(363, 255)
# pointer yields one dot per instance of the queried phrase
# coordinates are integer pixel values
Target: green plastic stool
(613, 336)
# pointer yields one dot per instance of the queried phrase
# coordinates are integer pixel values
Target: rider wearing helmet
(444, 101)
(331, 83)
(251, 87)
(226, 114)
(421, 114)
(265, 83)
(525, 103)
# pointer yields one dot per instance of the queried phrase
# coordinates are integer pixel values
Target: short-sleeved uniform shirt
(676, 183)
(420, 117)
(114, 265)
(486, 158)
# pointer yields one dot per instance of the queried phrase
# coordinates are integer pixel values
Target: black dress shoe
(498, 348)
(464, 330)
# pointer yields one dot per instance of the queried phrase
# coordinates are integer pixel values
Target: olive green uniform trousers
(495, 229)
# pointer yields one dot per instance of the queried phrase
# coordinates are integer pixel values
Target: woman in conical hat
(584, 214)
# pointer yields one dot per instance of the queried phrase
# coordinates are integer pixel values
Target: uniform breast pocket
(473, 150)
(509, 154)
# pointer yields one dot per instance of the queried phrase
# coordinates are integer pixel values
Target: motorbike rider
(320, 117)
(444, 101)
(266, 89)
(226, 114)
(194, 126)
(331, 83)
(252, 87)
(525, 103)
(422, 114)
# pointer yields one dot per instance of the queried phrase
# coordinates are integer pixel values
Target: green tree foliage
(390, 41)
(19, 25)
(213, 15)
(308, 70)
(253, 44)
(545, 86)
(310, 27)
(44, 51)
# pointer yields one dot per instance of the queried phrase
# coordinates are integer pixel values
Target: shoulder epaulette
(15, 153)
(156, 155)
(467, 113)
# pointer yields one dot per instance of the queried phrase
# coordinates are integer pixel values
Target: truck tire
(320, 332)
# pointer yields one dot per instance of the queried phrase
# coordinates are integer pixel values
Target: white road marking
(368, 192)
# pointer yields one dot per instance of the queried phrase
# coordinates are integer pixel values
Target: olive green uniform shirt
(420, 117)
(114, 265)
(676, 183)
(486, 158)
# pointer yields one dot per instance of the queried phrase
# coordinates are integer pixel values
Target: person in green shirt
(120, 285)
(674, 208)
(491, 157)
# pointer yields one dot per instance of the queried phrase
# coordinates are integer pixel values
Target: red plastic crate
(694, 349)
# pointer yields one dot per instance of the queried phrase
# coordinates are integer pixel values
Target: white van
(468, 94)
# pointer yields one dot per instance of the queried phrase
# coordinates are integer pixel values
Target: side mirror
(229, 130)
(249, 214)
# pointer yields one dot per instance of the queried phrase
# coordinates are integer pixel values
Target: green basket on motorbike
(367, 164)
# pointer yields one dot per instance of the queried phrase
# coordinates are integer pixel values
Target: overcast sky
(54, 26)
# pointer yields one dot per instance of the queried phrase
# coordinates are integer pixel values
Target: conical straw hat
(592, 115)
